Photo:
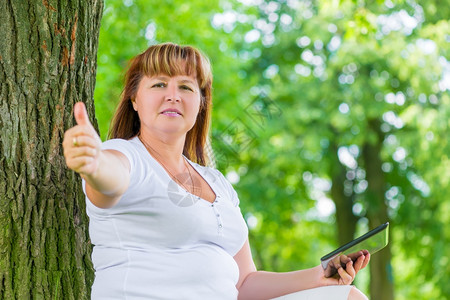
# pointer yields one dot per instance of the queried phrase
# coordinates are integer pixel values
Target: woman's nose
(172, 93)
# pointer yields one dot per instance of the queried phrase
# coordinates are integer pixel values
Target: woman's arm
(106, 186)
(255, 284)
(107, 172)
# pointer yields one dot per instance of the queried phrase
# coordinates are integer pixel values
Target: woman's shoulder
(131, 148)
(121, 142)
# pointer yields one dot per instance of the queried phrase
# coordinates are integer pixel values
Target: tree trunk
(47, 62)
(345, 219)
(381, 278)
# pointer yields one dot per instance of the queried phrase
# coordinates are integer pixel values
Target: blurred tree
(357, 68)
(47, 63)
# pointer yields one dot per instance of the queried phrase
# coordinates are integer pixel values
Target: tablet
(371, 242)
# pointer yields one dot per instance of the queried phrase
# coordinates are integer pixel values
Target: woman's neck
(167, 150)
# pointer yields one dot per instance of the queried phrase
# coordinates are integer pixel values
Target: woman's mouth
(171, 112)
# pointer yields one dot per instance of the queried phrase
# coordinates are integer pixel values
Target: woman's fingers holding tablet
(362, 261)
(347, 274)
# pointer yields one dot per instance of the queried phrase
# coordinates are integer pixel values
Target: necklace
(193, 187)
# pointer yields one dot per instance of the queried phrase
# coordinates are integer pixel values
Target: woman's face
(167, 105)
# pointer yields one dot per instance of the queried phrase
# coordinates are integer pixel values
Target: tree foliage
(304, 92)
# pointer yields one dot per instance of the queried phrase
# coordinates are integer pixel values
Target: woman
(163, 225)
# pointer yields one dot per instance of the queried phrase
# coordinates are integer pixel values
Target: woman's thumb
(80, 113)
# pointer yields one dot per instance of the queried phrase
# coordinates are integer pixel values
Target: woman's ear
(133, 102)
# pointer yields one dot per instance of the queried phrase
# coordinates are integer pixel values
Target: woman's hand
(345, 276)
(82, 145)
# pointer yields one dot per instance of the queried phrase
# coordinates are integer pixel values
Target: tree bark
(381, 278)
(47, 63)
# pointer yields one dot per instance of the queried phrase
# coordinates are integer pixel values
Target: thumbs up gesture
(82, 145)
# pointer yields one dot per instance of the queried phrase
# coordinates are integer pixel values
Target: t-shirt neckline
(167, 175)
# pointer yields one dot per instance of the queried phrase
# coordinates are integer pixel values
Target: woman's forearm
(266, 285)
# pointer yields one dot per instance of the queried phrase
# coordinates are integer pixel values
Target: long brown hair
(172, 60)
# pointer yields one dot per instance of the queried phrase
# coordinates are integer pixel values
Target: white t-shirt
(159, 241)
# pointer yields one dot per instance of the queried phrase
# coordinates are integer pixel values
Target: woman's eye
(159, 85)
(185, 87)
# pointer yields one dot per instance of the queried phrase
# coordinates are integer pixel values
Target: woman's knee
(356, 294)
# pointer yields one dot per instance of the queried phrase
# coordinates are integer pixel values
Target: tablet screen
(371, 242)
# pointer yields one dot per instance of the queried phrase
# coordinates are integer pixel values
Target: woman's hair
(171, 60)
